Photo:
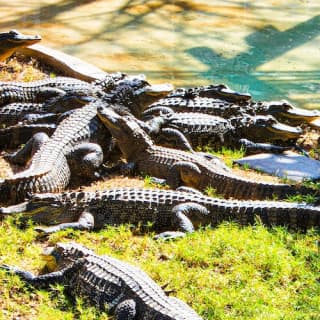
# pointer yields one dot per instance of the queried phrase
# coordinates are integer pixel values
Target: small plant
(308, 198)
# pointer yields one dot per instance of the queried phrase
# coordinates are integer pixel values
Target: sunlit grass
(223, 273)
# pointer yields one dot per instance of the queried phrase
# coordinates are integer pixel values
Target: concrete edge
(65, 63)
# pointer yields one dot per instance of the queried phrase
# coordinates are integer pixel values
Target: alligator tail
(247, 189)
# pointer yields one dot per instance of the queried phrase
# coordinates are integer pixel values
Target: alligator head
(131, 138)
(284, 111)
(267, 128)
(12, 40)
(137, 94)
(42, 208)
(62, 254)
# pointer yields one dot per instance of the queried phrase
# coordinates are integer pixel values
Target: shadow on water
(265, 45)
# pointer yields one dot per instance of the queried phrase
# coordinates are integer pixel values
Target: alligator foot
(155, 180)
(169, 235)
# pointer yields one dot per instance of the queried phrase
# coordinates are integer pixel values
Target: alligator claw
(169, 235)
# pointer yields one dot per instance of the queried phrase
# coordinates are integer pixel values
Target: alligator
(41, 90)
(171, 213)
(281, 110)
(48, 111)
(49, 170)
(12, 40)
(128, 94)
(181, 167)
(203, 130)
(107, 283)
(11, 137)
(218, 91)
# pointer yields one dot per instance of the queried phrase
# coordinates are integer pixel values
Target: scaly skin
(13, 136)
(49, 170)
(228, 108)
(202, 130)
(42, 90)
(108, 283)
(167, 210)
(13, 40)
(179, 167)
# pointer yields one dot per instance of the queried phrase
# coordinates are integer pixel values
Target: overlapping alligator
(180, 167)
(71, 142)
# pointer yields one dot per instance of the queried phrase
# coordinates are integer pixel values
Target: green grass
(226, 154)
(224, 273)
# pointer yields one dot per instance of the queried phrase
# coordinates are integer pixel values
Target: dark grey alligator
(13, 40)
(281, 110)
(41, 90)
(207, 130)
(108, 283)
(11, 137)
(48, 111)
(180, 167)
(169, 211)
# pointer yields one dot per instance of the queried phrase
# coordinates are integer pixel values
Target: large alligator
(107, 283)
(49, 170)
(173, 213)
(207, 130)
(281, 110)
(12, 40)
(180, 167)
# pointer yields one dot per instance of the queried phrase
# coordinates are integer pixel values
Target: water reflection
(269, 48)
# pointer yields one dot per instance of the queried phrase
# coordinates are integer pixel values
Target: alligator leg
(22, 156)
(42, 280)
(182, 214)
(85, 160)
(40, 118)
(173, 138)
(85, 222)
(125, 310)
(252, 147)
(183, 172)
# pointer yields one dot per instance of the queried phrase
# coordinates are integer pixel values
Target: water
(268, 48)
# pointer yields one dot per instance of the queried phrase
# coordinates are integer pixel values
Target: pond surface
(268, 48)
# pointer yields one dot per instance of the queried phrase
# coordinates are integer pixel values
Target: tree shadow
(264, 46)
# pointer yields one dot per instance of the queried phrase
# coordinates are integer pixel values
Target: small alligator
(71, 144)
(180, 167)
(48, 111)
(281, 110)
(12, 40)
(173, 213)
(203, 130)
(107, 283)
(41, 90)
(218, 91)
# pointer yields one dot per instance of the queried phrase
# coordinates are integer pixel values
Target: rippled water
(268, 48)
